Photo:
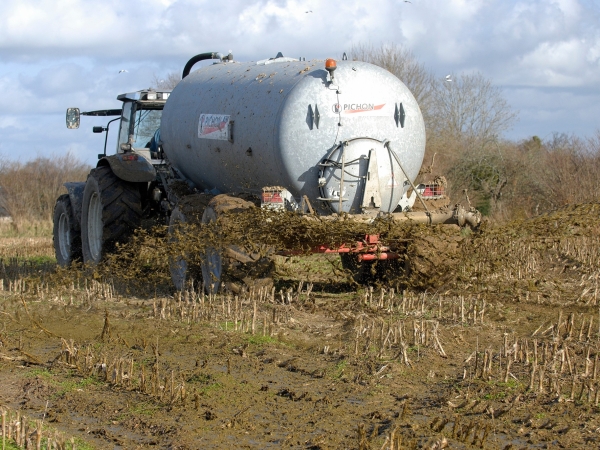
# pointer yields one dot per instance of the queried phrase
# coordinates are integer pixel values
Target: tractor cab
(139, 129)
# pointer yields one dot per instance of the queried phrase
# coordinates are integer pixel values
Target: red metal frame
(370, 249)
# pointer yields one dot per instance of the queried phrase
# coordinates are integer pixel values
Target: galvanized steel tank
(238, 127)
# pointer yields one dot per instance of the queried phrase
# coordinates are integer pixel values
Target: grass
(495, 396)
(316, 265)
(144, 408)
(65, 387)
(77, 443)
(43, 373)
(35, 249)
(10, 445)
(259, 340)
(26, 229)
(200, 378)
(338, 370)
(40, 260)
(213, 387)
(227, 326)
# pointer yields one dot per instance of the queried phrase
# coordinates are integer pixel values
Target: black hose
(197, 58)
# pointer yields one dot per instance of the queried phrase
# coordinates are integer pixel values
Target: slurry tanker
(322, 138)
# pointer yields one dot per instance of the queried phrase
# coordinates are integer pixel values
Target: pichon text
(353, 107)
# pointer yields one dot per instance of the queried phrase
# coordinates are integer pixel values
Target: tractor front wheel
(66, 234)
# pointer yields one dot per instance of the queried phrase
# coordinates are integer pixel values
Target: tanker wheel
(370, 272)
(111, 210)
(189, 211)
(360, 271)
(66, 235)
(234, 266)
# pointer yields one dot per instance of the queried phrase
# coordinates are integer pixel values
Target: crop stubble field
(491, 342)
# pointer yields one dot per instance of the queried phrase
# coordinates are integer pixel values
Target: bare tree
(470, 107)
(485, 173)
(401, 62)
(30, 189)
(568, 170)
(167, 82)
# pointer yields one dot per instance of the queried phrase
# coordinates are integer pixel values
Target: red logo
(352, 108)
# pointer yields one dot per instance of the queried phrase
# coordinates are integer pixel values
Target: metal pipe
(342, 174)
(387, 144)
(377, 256)
(457, 216)
(424, 217)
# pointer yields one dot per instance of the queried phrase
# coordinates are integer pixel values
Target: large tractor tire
(189, 211)
(66, 233)
(111, 210)
(234, 267)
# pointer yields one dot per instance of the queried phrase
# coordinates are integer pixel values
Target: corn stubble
(497, 323)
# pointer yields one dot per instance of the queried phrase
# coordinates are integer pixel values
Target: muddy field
(494, 346)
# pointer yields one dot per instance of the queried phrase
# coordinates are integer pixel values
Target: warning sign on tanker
(213, 126)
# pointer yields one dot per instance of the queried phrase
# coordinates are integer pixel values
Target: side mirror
(73, 116)
(98, 129)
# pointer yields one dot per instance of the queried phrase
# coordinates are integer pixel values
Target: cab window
(125, 125)
(146, 122)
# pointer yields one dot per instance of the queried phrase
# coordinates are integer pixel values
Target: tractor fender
(75, 191)
(130, 167)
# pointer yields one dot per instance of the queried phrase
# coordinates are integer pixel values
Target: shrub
(29, 189)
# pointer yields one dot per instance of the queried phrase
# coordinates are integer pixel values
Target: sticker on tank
(362, 109)
(213, 126)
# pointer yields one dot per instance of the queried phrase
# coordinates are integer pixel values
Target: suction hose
(198, 58)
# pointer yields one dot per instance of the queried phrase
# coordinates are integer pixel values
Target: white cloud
(55, 54)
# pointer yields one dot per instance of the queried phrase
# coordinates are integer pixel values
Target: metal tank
(346, 137)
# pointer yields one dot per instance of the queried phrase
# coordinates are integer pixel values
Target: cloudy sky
(544, 54)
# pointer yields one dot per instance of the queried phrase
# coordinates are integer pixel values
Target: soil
(501, 352)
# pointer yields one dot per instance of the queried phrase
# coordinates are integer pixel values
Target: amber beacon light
(330, 66)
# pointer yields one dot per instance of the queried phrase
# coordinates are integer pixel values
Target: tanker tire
(360, 272)
(111, 210)
(234, 267)
(371, 272)
(66, 235)
(183, 269)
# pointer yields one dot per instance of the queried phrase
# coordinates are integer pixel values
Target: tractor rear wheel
(112, 209)
(66, 234)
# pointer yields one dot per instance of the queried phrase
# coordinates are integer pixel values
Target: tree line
(29, 189)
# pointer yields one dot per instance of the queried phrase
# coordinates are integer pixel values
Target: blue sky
(544, 54)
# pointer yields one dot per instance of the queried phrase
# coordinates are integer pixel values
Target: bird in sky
(448, 78)
(123, 71)
(306, 12)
